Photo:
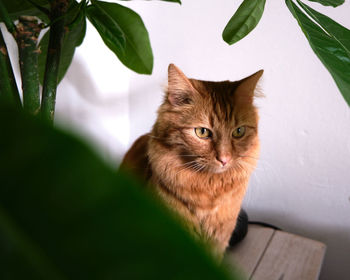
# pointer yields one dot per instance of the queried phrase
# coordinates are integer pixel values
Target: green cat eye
(239, 132)
(202, 132)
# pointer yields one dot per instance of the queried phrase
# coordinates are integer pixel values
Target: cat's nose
(224, 159)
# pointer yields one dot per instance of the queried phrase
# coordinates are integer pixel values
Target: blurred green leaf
(65, 215)
(18, 8)
(330, 51)
(334, 29)
(137, 54)
(243, 21)
(74, 36)
(334, 3)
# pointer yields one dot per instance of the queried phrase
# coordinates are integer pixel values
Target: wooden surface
(267, 254)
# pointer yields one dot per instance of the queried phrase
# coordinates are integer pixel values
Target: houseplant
(35, 156)
(64, 214)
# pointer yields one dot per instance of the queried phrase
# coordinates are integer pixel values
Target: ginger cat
(201, 152)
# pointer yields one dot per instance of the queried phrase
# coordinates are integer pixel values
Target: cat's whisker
(242, 169)
(186, 163)
(203, 166)
(185, 166)
(197, 168)
(191, 165)
(244, 156)
(258, 168)
(244, 164)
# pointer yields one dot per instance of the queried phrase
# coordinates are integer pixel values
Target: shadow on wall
(143, 101)
(100, 117)
(80, 79)
(337, 258)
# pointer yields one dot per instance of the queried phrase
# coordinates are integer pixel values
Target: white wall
(302, 183)
(93, 97)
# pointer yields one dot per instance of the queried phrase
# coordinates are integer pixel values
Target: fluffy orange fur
(203, 179)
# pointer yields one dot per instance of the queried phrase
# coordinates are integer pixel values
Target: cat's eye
(239, 132)
(202, 132)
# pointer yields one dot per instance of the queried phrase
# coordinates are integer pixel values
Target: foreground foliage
(65, 215)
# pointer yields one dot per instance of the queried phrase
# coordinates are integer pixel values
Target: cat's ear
(245, 91)
(180, 89)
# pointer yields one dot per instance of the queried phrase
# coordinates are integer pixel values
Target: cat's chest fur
(210, 202)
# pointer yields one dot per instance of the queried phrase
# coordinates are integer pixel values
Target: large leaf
(334, 3)
(243, 21)
(18, 8)
(329, 50)
(334, 29)
(74, 36)
(108, 28)
(65, 215)
(137, 54)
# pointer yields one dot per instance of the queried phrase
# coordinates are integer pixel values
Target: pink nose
(223, 159)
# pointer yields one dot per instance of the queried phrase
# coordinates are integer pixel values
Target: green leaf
(329, 50)
(18, 8)
(334, 29)
(65, 215)
(77, 25)
(137, 54)
(39, 6)
(74, 36)
(243, 21)
(75, 11)
(108, 28)
(334, 3)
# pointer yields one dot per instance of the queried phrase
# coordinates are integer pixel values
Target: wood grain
(266, 254)
(247, 254)
(289, 257)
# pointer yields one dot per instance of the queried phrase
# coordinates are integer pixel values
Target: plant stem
(58, 9)
(7, 20)
(8, 87)
(28, 30)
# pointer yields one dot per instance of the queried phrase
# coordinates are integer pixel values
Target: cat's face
(211, 126)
